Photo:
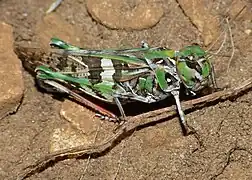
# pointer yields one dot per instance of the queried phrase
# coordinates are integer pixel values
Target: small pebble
(248, 31)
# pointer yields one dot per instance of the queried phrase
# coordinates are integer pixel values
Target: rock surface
(220, 149)
(79, 116)
(11, 79)
(83, 128)
(117, 14)
(67, 137)
(201, 17)
(54, 26)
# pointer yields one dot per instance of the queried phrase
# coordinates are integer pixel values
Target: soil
(223, 147)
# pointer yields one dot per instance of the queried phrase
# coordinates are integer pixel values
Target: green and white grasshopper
(119, 76)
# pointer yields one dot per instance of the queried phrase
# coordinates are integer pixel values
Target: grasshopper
(119, 76)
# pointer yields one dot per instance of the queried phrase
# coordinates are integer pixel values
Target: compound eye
(160, 61)
(168, 80)
(190, 57)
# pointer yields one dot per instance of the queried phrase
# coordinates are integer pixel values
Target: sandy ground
(153, 152)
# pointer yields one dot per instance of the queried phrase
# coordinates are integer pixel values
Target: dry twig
(232, 44)
(222, 44)
(89, 157)
(137, 122)
(53, 6)
(119, 162)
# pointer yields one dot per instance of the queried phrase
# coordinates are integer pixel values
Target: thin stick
(217, 39)
(53, 6)
(232, 44)
(134, 123)
(212, 45)
(222, 44)
(88, 160)
(119, 162)
(120, 159)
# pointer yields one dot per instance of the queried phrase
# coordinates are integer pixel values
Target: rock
(240, 12)
(54, 26)
(84, 129)
(81, 129)
(117, 14)
(67, 137)
(11, 78)
(80, 117)
(201, 17)
(239, 9)
(248, 31)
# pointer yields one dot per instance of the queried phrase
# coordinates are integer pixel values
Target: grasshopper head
(194, 68)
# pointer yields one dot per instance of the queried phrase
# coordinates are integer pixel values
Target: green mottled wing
(103, 90)
(111, 65)
(136, 56)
